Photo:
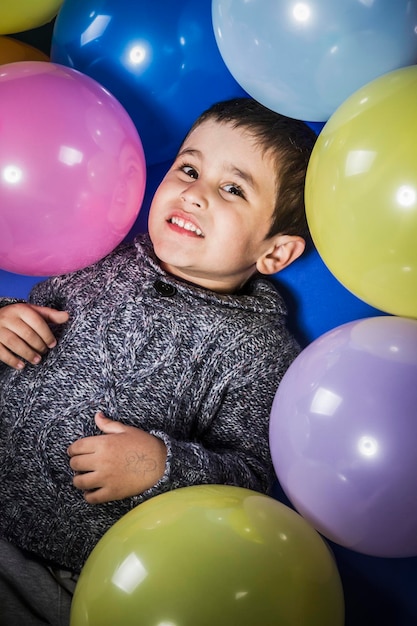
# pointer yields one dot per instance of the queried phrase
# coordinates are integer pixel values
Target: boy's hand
(25, 333)
(123, 462)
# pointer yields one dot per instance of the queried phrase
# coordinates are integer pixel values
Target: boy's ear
(283, 251)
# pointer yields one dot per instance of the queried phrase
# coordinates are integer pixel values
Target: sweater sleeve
(43, 293)
(234, 448)
(4, 301)
(47, 293)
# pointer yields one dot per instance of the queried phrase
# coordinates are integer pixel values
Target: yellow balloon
(21, 15)
(207, 555)
(12, 51)
(361, 193)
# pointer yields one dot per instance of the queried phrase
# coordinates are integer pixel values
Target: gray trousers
(31, 593)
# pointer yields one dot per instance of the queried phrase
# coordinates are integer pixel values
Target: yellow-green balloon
(22, 15)
(210, 555)
(361, 193)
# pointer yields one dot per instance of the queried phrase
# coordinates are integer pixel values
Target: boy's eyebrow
(228, 167)
(246, 176)
(191, 151)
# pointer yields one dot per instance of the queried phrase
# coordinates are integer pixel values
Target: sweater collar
(259, 294)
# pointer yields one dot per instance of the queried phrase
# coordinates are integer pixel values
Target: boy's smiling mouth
(185, 225)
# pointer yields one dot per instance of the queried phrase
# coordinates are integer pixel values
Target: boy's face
(211, 214)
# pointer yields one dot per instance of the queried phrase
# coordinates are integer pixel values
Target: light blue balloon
(304, 58)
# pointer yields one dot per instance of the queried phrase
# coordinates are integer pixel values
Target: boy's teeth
(186, 225)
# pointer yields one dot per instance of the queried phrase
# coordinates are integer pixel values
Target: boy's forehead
(212, 131)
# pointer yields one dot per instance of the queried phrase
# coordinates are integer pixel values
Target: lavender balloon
(343, 435)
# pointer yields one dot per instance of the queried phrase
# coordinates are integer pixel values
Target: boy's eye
(189, 171)
(234, 190)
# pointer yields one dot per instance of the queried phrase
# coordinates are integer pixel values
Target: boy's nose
(194, 195)
(190, 200)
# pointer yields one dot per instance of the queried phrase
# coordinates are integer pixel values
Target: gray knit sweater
(196, 368)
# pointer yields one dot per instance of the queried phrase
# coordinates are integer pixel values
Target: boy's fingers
(82, 462)
(22, 342)
(25, 333)
(37, 333)
(44, 316)
(51, 315)
(107, 425)
(10, 359)
(35, 337)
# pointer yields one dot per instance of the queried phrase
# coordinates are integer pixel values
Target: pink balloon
(72, 169)
(343, 435)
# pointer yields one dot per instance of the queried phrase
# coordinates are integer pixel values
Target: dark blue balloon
(316, 126)
(159, 59)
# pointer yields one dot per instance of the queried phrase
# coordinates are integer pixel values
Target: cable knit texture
(195, 368)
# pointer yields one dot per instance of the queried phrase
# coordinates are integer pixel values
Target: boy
(156, 367)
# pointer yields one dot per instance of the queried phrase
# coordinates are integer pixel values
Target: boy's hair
(290, 142)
